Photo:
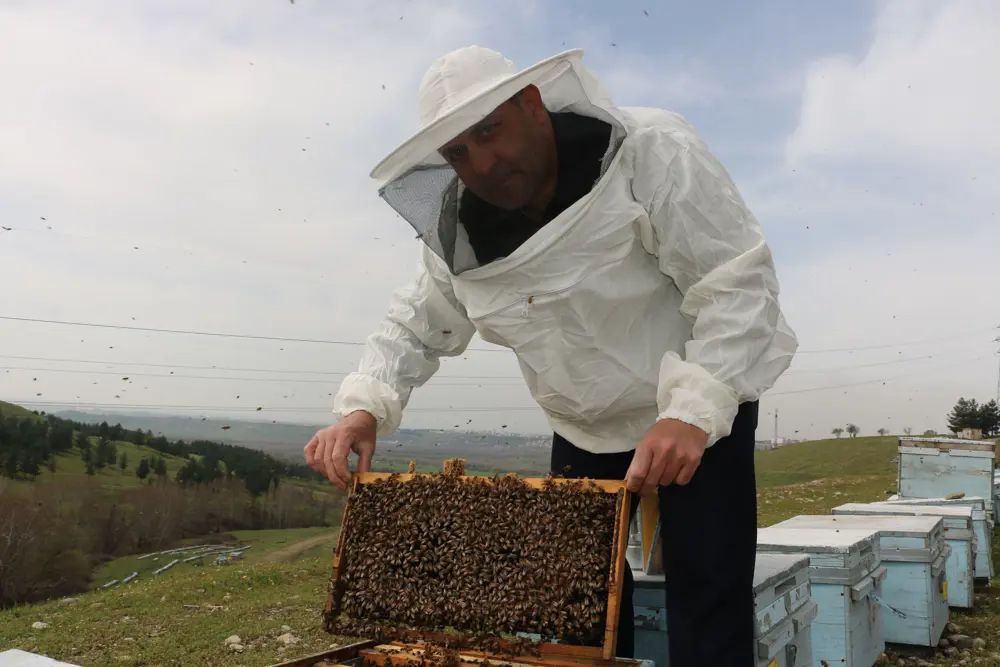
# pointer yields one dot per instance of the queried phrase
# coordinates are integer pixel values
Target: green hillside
(69, 464)
(11, 410)
(818, 459)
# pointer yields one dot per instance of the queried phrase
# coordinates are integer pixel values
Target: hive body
(846, 576)
(958, 533)
(914, 552)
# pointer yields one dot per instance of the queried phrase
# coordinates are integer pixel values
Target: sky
(203, 166)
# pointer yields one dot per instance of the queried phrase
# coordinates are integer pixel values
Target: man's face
(505, 158)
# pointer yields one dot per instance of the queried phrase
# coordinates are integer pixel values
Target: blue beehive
(846, 576)
(784, 612)
(960, 567)
(939, 467)
(982, 527)
(914, 553)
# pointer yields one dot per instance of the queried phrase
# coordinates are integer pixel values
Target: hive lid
(552, 648)
(955, 517)
(898, 526)
(790, 539)
(771, 569)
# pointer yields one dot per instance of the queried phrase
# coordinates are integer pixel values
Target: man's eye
(453, 154)
(486, 130)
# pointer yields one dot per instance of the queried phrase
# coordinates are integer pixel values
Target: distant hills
(483, 451)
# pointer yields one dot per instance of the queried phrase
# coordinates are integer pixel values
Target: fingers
(365, 452)
(671, 468)
(310, 453)
(341, 471)
(661, 458)
(686, 473)
(637, 472)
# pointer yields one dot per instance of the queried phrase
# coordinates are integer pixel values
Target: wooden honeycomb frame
(550, 652)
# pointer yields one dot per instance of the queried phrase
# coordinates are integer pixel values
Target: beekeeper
(611, 252)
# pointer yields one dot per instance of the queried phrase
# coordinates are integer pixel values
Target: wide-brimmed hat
(460, 89)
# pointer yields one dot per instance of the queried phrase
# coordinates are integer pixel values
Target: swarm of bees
(480, 559)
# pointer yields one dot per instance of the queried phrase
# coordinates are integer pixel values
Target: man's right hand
(327, 451)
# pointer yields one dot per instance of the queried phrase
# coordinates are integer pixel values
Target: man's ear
(531, 101)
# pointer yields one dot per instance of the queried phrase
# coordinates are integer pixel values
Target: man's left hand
(670, 453)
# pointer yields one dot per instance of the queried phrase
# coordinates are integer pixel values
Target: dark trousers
(709, 529)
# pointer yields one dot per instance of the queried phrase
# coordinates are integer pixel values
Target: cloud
(205, 166)
(881, 214)
(920, 95)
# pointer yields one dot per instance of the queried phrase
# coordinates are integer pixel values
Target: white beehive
(914, 553)
(846, 573)
(938, 467)
(982, 527)
(958, 533)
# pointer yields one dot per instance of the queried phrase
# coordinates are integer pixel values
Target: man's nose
(482, 161)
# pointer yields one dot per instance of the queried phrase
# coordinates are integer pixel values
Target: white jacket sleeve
(709, 243)
(425, 322)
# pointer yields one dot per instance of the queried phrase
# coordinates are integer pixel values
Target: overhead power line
(242, 408)
(240, 379)
(439, 409)
(191, 332)
(231, 368)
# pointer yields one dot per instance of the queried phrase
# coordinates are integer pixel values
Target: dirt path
(293, 551)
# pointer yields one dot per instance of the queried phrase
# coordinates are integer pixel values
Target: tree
(989, 418)
(968, 413)
(929, 433)
(123, 461)
(908, 431)
(61, 437)
(883, 431)
(52, 464)
(160, 467)
(964, 415)
(142, 470)
(852, 430)
(91, 471)
(82, 441)
(10, 464)
(837, 432)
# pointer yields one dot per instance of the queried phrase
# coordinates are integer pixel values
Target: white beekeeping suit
(653, 296)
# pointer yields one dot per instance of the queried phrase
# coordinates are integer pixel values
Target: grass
(263, 542)
(146, 622)
(11, 410)
(820, 459)
(69, 464)
(184, 620)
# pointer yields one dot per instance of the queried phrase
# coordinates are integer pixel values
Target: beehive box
(503, 566)
(783, 613)
(649, 614)
(914, 553)
(996, 492)
(982, 527)
(846, 574)
(938, 467)
(960, 569)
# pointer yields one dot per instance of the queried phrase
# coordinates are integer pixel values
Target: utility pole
(776, 424)
(997, 340)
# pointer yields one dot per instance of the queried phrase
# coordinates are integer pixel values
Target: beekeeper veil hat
(460, 89)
